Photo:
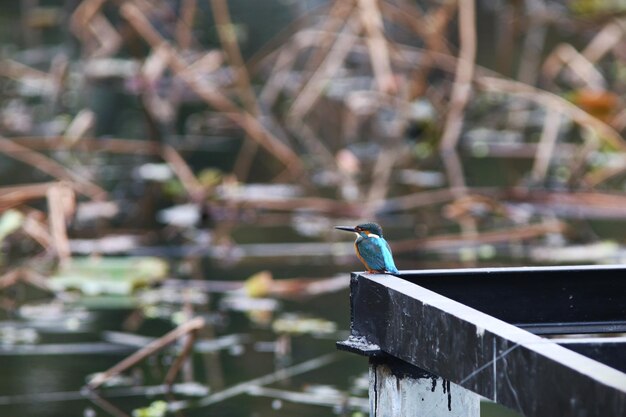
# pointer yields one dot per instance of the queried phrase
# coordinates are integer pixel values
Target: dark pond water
(272, 334)
(48, 384)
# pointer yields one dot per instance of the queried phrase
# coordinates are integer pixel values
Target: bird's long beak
(346, 228)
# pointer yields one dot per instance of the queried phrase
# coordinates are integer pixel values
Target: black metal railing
(480, 329)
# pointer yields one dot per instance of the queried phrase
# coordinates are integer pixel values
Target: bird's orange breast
(358, 254)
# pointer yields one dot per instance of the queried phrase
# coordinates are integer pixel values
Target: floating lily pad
(109, 275)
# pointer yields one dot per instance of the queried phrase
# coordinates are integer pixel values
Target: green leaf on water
(10, 221)
(156, 409)
(109, 275)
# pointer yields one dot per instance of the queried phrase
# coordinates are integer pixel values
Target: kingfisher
(371, 248)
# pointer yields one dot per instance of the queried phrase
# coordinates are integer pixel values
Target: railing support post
(398, 389)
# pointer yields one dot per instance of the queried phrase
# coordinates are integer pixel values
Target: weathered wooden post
(440, 340)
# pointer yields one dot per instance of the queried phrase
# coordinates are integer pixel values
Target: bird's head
(365, 230)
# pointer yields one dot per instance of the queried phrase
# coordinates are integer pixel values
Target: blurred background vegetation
(170, 172)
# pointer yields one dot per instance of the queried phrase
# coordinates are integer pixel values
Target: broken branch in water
(182, 357)
(243, 387)
(185, 328)
(25, 275)
(228, 40)
(50, 167)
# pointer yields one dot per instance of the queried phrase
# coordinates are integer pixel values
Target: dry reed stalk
(334, 60)
(565, 55)
(38, 231)
(507, 28)
(184, 25)
(209, 62)
(381, 175)
(50, 167)
(84, 12)
(108, 39)
(372, 22)
(610, 36)
(243, 387)
(315, 204)
(339, 11)
(106, 405)
(182, 357)
(534, 41)
(416, 200)
(407, 15)
(59, 70)
(184, 173)
(228, 40)
(17, 194)
(279, 73)
(461, 89)
(437, 23)
(578, 163)
(93, 29)
(431, 28)
(513, 234)
(61, 205)
(335, 19)
(597, 177)
(158, 108)
(547, 141)
(82, 123)
(619, 121)
(25, 275)
(550, 100)
(404, 56)
(603, 203)
(271, 48)
(158, 344)
(10, 278)
(211, 95)
(530, 58)
(18, 71)
(111, 145)
(35, 279)
(315, 146)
